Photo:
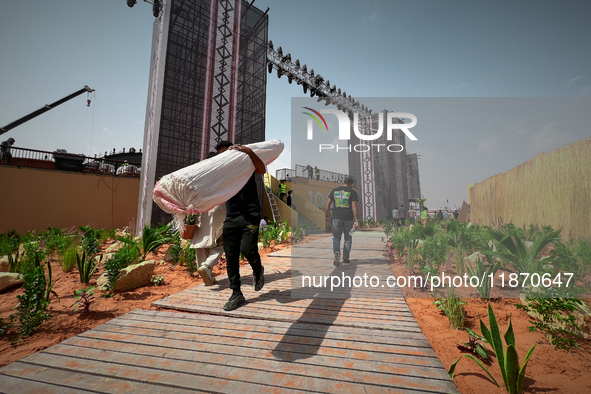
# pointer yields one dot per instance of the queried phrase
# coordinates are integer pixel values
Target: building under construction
(385, 176)
(207, 84)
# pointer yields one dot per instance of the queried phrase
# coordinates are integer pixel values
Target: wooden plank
(213, 334)
(300, 329)
(257, 371)
(289, 351)
(220, 355)
(26, 377)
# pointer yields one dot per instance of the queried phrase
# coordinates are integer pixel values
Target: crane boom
(44, 109)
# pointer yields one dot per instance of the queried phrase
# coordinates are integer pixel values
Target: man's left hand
(241, 148)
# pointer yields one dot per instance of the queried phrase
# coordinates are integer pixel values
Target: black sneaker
(337, 259)
(346, 262)
(234, 302)
(259, 279)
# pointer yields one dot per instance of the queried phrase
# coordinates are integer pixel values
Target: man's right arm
(327, 210)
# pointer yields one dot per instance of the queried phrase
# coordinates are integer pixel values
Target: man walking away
(290, 200)
(402, 216)
(241, 229)
(282, 188)
(411, 215)
(344, 218)
(395, 216)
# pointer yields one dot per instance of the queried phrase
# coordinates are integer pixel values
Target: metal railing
(63, 161)
(310, 173)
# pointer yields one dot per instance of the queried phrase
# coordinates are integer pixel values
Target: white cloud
(549, 138)
(426, 152)
(488, 145)
(575, 79)
(584, 91)
(110, 132)
(519, 128)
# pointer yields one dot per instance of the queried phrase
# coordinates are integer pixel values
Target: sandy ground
(67, 323)
(549, 370)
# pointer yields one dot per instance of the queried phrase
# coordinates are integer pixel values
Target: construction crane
(46, 108)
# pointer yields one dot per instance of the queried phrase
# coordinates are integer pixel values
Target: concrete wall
(33, 199)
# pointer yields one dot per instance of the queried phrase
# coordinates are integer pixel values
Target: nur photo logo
(387, 121)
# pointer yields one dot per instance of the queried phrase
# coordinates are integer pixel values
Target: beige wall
(33, 199)
(551, 189)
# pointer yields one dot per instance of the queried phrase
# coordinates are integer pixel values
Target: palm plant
(514, 250)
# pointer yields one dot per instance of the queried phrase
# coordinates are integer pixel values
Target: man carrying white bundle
(241, 229)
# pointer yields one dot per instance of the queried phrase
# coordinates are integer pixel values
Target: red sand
(549, 370)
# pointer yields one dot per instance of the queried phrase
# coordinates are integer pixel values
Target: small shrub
(154, 237)
(190, 260)
(508, 360)
(90, 240)
(475, 344)
(69, 260)
(124, 257)
(554, 320)
(86, 266)
(453, 308)
(14, 262)
(9, 242)
(84, 297)
(33, 304)
(158, 280)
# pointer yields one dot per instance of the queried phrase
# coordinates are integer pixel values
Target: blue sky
(368, 48)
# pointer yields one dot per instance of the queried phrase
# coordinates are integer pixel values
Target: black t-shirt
(245, 202)
(289, 201)
(343, 197)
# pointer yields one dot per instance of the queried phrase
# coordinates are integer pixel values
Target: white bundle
(208, 183)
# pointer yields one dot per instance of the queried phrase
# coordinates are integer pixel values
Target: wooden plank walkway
(272, 344)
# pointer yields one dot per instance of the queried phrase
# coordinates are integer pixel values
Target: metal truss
(313, 82)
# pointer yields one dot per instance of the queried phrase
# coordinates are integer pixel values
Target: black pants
(241, 234)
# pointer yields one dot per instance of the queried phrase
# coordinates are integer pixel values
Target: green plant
(191, 219)
(297, 234)
(4, 327)
(86, 266)
(124, 257)
(190, 260)
(154, 237)
(399, 242)
(515, 251)
(9, 242)
(453, 308)
(49, 283)
(434, 251)
(475, 344)
(33, 304)
(508, 359)
(554, 319)
(106, 234)
(14, 263)
(158, 280)
(484, 275)
(84, 297)
(90, 240)
(33, 256)
(69, 260)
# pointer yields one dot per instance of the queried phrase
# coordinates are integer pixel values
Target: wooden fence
(551, 189)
